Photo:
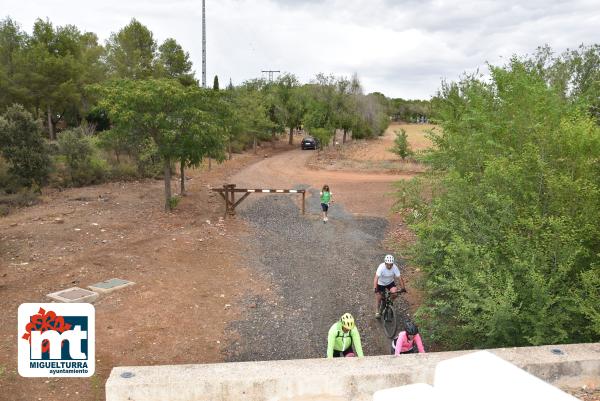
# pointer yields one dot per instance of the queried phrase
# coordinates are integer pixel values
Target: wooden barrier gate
(228, 194)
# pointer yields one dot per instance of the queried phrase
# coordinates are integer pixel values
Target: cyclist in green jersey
(343, 339)
(326, 199)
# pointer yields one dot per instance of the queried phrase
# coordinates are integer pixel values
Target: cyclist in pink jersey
(408, 341)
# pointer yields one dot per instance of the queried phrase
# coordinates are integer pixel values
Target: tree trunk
(344, 137)
(291, 141)
(209, 164)
(273, 137)
(229, 150)
(50, 125)
(254, 144)
(182, 174)
(167, 184)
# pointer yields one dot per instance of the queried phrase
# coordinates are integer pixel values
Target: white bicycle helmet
(389, 259)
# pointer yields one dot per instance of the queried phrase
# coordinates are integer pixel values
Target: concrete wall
(338, 379)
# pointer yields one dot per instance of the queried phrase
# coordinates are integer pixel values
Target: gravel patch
(318, 272)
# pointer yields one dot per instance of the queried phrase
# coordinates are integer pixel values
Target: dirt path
(361, 193)
(315, 271)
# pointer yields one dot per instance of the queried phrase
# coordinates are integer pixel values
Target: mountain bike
(386, 310)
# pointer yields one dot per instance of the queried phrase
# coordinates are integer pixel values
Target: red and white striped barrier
(228, 194)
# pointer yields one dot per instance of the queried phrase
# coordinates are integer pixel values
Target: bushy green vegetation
(409, 110)
(507, 222)
(23, 148)
(401, 145)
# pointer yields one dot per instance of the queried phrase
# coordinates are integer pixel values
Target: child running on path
(326, 199)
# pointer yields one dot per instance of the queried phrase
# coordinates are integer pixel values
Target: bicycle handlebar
(401, 291)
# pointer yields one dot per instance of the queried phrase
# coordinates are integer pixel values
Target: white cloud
(401, 48)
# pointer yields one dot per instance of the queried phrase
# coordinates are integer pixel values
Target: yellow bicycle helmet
(347, 321)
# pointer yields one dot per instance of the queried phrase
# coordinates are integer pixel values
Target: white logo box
(78, 362)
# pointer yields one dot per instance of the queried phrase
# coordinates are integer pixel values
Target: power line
(270, 72)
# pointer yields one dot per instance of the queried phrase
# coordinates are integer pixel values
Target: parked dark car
(309, 143)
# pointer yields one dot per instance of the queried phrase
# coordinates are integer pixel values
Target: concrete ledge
(338, 379)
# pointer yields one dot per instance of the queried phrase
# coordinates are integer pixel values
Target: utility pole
(203, 44)
(270, 72)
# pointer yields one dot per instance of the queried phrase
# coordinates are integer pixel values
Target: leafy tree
(174, 63)
(12, 43)
(323, 135)
(259, 105)
(131, 52)
(409, 110)
(320, 113)
(372, 118)
(345, 104)
(93, 70)
(23, 147)
(170, 115)
(291, 103)
(204, 133)
(50, 70)
(216, 83)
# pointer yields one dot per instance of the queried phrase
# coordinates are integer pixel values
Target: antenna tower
(203, 44)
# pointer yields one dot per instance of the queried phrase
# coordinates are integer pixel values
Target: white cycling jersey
(386, 276)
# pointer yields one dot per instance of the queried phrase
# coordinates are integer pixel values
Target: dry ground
(179, 262)
(374, 155)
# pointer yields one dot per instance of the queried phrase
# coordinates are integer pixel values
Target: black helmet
(411, 329)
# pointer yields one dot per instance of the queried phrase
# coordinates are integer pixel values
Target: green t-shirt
(338, 340)
(325, 197)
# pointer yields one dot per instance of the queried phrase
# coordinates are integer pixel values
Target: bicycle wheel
(389, 322)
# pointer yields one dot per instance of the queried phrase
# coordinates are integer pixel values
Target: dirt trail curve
(360, 193)
(317, 271)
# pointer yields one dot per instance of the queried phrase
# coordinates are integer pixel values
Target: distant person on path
(326, 199)
(343, 339)
(408, 341)
(385, 278)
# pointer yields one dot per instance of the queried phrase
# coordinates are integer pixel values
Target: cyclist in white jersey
(385, 278)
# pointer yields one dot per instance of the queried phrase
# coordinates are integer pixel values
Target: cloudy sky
(401, 48)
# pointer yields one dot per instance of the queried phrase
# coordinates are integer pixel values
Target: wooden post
(232, 209)
(303, 198)
(226, 190)
(229, 193)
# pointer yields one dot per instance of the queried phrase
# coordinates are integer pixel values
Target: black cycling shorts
(339, 354)
(381, 288)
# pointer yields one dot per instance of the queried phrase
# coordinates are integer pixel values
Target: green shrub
(148, 160)
(401, 145)
(25, 197)
(23, 147)
(238, 147)
(82, 163)
(324, 136)
(9, 183)
(173, 202)
(123, 172)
